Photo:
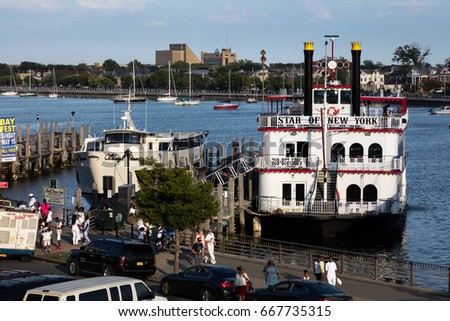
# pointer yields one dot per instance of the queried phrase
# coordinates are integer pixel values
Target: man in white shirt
(209, 240)
(331, 269)
(32, 202)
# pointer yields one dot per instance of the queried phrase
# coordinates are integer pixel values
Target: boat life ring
(333, 111)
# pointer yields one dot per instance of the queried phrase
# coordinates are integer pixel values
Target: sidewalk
(361, 289)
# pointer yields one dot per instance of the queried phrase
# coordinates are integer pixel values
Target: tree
(171, 197)
(411, 56)
(110, 65)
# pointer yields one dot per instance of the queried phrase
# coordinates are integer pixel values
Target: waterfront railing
(374, 267)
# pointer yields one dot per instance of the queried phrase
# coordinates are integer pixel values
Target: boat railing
(277, 205)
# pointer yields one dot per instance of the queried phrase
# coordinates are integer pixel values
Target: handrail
(374, 267)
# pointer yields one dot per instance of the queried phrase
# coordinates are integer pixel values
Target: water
(426, 237)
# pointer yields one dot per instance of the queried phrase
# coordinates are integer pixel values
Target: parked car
(300, 290)
(15, 283)
(207, 282)
(113, 257)
(101, 288)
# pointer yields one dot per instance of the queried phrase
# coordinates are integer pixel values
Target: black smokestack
(308, 50)
(356, 79)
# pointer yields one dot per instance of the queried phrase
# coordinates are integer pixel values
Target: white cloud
(155, 23)
(115, 5)
(38, 5)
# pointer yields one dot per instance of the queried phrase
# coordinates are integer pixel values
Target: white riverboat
(331, 168)
(111, 161)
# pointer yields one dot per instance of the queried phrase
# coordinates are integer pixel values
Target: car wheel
(73, 267)
(207, 295)
(107, 270)
(165, 288)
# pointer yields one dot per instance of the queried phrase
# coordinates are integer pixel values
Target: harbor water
(425, 238)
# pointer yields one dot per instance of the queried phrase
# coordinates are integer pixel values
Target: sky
(91, 31)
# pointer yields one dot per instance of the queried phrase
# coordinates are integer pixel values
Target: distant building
(219, 58)
(176, 52)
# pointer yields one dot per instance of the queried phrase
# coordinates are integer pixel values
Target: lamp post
(37, 123)
(206, 149)
(128, 155)
(73, 118)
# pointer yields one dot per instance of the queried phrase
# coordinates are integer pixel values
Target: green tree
(171, 197)
(110, 65)
(411, 56)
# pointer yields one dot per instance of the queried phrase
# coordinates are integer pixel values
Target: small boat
(251, 100)
(188, 101)
(28, 93)
(227, 105)
(131, 98)
(444, 110)
(54, 94)
(11, 91)
(168, 98)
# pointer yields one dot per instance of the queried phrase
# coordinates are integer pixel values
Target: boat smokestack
(356, 78)
(308, 49)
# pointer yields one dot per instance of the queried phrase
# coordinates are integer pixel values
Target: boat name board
(316, 120)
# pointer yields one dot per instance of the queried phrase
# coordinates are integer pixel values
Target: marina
(424, 238)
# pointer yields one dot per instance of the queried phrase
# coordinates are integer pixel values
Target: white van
(102, 288)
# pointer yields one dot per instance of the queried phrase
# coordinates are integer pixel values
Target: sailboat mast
(169, 77)
(190, 72)
(134, 80)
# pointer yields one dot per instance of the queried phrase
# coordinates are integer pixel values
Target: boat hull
(327, 229)
(226, 106)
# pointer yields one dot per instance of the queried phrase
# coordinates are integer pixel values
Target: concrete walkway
(361, 289)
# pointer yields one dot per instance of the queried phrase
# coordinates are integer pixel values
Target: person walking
(75, 230)
(59, 228)
(46, 238)
(210, 242)
(241, 283)
(318, 268)
(198, 251)
(85, 230)
(331, 269)
(271, 274)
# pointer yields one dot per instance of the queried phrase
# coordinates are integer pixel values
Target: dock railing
(374, 267)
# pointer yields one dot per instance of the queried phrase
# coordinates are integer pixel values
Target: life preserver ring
(333, 111)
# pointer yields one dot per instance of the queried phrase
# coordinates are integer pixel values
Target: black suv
(15, 283)
(113, 257)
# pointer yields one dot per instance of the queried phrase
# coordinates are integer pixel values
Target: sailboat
(28, 93)
(188, 101)
(227, 104)
(132, 98)
(12, 80)
(252, 100)
(167, 98)
(54, 94)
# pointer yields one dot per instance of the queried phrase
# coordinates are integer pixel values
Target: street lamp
(73, 118)
(206, 149)
(37, 123)
(128, 155)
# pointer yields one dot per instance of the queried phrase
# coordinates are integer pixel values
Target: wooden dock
(47, 149)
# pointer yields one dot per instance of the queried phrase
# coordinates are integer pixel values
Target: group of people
(80, 226)
(327, 270)
(204, 243)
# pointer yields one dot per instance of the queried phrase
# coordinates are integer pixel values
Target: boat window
(332, 96)
(318, 96)
(94, 146)
(163, 146)
(126, 138)
(337, 153)
(346, 97)
(356, 151)
(302, 149)
(370, 193)
(290, 150)
(375, 151)
(353, 193)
